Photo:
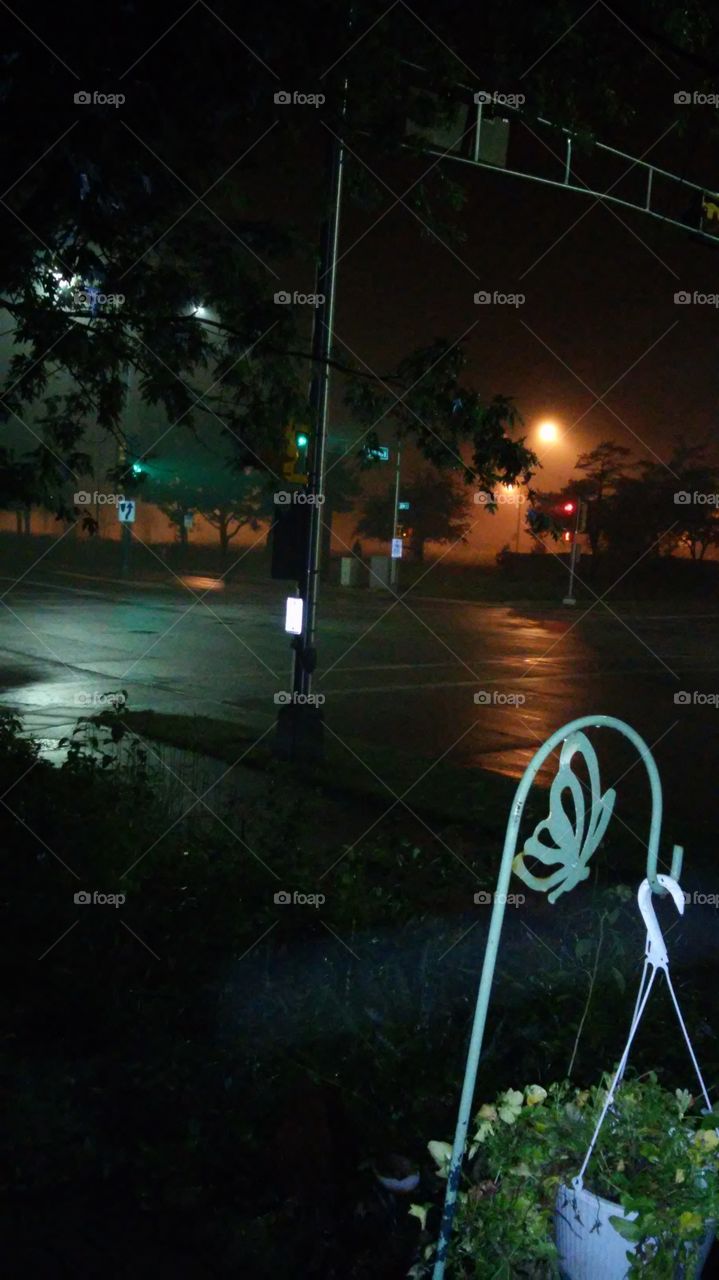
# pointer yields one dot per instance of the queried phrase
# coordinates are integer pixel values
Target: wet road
(399, 674)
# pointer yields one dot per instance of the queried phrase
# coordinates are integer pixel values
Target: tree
(604, 467)
(176, 497)
(438, 506)
(689, 484)
(545, 517)
(228, 500)
(157, 206)
(669, 504)
(135, 247)
(342, 489)
(240, 503)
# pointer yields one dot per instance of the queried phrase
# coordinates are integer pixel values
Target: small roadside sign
(126, 512)
(294, 610)
(381, 453)
(403, 506)
(187, 519)
(396, 548)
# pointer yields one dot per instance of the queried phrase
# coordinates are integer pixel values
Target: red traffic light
(569, 507)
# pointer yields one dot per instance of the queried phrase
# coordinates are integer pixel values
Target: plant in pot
(648, 1208)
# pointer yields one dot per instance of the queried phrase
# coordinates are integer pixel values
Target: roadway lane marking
(408, 666)
(511, 684)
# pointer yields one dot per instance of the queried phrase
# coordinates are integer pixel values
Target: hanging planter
(653, 1190)
(657, 1163)
(591, 1248)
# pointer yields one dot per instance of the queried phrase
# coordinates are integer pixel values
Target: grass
(447, 793)
(205, 1081)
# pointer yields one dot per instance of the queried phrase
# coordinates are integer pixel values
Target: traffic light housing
(572, 513)
(290, 541)
(294, 465)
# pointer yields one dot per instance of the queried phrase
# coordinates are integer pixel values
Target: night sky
(599, 318)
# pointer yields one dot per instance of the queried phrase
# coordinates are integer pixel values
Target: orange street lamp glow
(548, 432)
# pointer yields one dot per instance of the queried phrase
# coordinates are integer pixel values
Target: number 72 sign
(126, 512)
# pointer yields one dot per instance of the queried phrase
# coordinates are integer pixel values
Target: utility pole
(394, 562)
(300, 723)
(569, 599)
(125, 530)
(322, 342)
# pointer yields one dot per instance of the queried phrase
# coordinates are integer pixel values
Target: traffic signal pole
(300, 723)
(394, 563)
(569, 599)
(322, 343)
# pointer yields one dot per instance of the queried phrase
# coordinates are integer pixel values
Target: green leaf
(631, 1231)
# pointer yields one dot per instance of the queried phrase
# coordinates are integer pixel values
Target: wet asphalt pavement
(400, 674)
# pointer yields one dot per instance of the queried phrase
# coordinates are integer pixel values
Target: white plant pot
(589, 1247)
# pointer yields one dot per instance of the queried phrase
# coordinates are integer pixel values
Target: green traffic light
(302, 440)
(137, 469)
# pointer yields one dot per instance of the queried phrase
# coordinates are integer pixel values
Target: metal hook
(656, 952)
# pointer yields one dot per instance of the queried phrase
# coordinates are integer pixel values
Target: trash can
(350, 571)
(379, 573)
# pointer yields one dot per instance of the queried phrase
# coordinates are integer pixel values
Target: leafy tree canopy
(121, 220)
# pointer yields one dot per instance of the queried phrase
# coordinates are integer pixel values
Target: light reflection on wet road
(398, 675)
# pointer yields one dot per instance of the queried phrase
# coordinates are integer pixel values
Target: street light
(548, 431)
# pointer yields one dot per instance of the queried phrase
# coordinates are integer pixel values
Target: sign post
(126, 516)
(396, 554)
(580, 525)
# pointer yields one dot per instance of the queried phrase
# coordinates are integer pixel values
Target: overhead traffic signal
(294, 461)
(573, 507)
(290, 541)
